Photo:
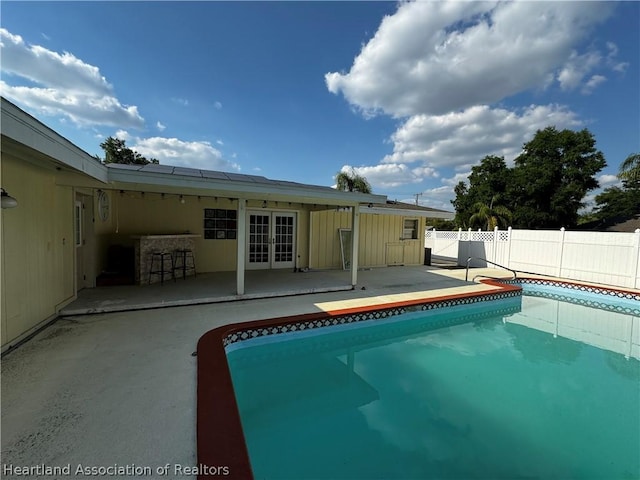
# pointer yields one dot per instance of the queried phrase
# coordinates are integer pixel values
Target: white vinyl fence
(611, 258)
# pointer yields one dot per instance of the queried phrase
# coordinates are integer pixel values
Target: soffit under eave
(64, 174)
(408, 213)
(25, 138)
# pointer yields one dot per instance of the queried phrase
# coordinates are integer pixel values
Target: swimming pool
(511, 387)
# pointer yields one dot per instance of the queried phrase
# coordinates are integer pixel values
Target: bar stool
(161, 263)
(184, 261)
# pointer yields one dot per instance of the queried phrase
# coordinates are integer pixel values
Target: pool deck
(99, 389)
(260, 284)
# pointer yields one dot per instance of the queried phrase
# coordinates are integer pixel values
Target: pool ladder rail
(466, 276)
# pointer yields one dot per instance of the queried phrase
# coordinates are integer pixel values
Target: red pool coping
(221, 447)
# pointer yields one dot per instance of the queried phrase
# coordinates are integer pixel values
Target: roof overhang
(408, 212)
(26, 137)
(166, 179)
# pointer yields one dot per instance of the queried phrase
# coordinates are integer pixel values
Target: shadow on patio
(221, 287)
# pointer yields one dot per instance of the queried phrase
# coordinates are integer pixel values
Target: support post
(355, 237)
(242, 241)
(509, 236)
(560, 253)
(635, 281)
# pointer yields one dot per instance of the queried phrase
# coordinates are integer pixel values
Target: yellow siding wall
(134, 214)
(377, 233)
(37, 248)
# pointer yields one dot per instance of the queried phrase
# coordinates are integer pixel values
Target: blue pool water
(522, 388)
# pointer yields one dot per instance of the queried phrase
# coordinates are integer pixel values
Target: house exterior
(72, 210)
(391, 234)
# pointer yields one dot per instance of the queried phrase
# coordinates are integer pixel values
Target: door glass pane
(258, 238)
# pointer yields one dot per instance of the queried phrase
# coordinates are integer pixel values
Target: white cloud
(461, 139)
(218, 105)
(181, 101)
(437, 57)
(160, 126)
(389, 175)
(220, 142)
(607, 180)
(593, 82)
(123, 135)
(612, 62)
(439, 197)
(457, 178)
(61, 84)
(172, 151)
(576, 68)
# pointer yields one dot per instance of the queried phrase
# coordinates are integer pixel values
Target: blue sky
(410, 94)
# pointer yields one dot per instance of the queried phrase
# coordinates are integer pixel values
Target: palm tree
(352, 182)
(493, 216)
(630, 168)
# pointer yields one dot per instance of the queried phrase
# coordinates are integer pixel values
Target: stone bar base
(146, 244)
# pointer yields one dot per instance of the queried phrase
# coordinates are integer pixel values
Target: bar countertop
(167, 235)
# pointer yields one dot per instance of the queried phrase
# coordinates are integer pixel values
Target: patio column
(242, 241)
(355, 236)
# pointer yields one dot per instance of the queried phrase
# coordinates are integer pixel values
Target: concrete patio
(119, 388)
(259, 284)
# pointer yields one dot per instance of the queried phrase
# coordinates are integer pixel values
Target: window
(220, 224)
(410, 229)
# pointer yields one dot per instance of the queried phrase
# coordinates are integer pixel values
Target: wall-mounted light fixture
(182, 199)
(264, 204)
(7, 200)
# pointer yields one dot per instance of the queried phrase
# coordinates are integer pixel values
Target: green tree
(463, 205)
(630, 168)
(352, 182)
(490, 216)
(616, 203)
(116, 151)
(442, 224)
(551, 178)
(488, 179)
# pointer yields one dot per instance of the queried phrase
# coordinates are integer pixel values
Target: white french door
(271, 238)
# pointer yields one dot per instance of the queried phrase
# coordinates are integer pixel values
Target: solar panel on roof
(214, 174)
(189, 172)
(155, 168)
(242, 178)
(124, 166)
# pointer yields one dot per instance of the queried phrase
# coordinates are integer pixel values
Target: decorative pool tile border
(355, 339)
(623, 294)
(593, 303)
(241, 334)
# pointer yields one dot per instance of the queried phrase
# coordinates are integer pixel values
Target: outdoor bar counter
(146, 244)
